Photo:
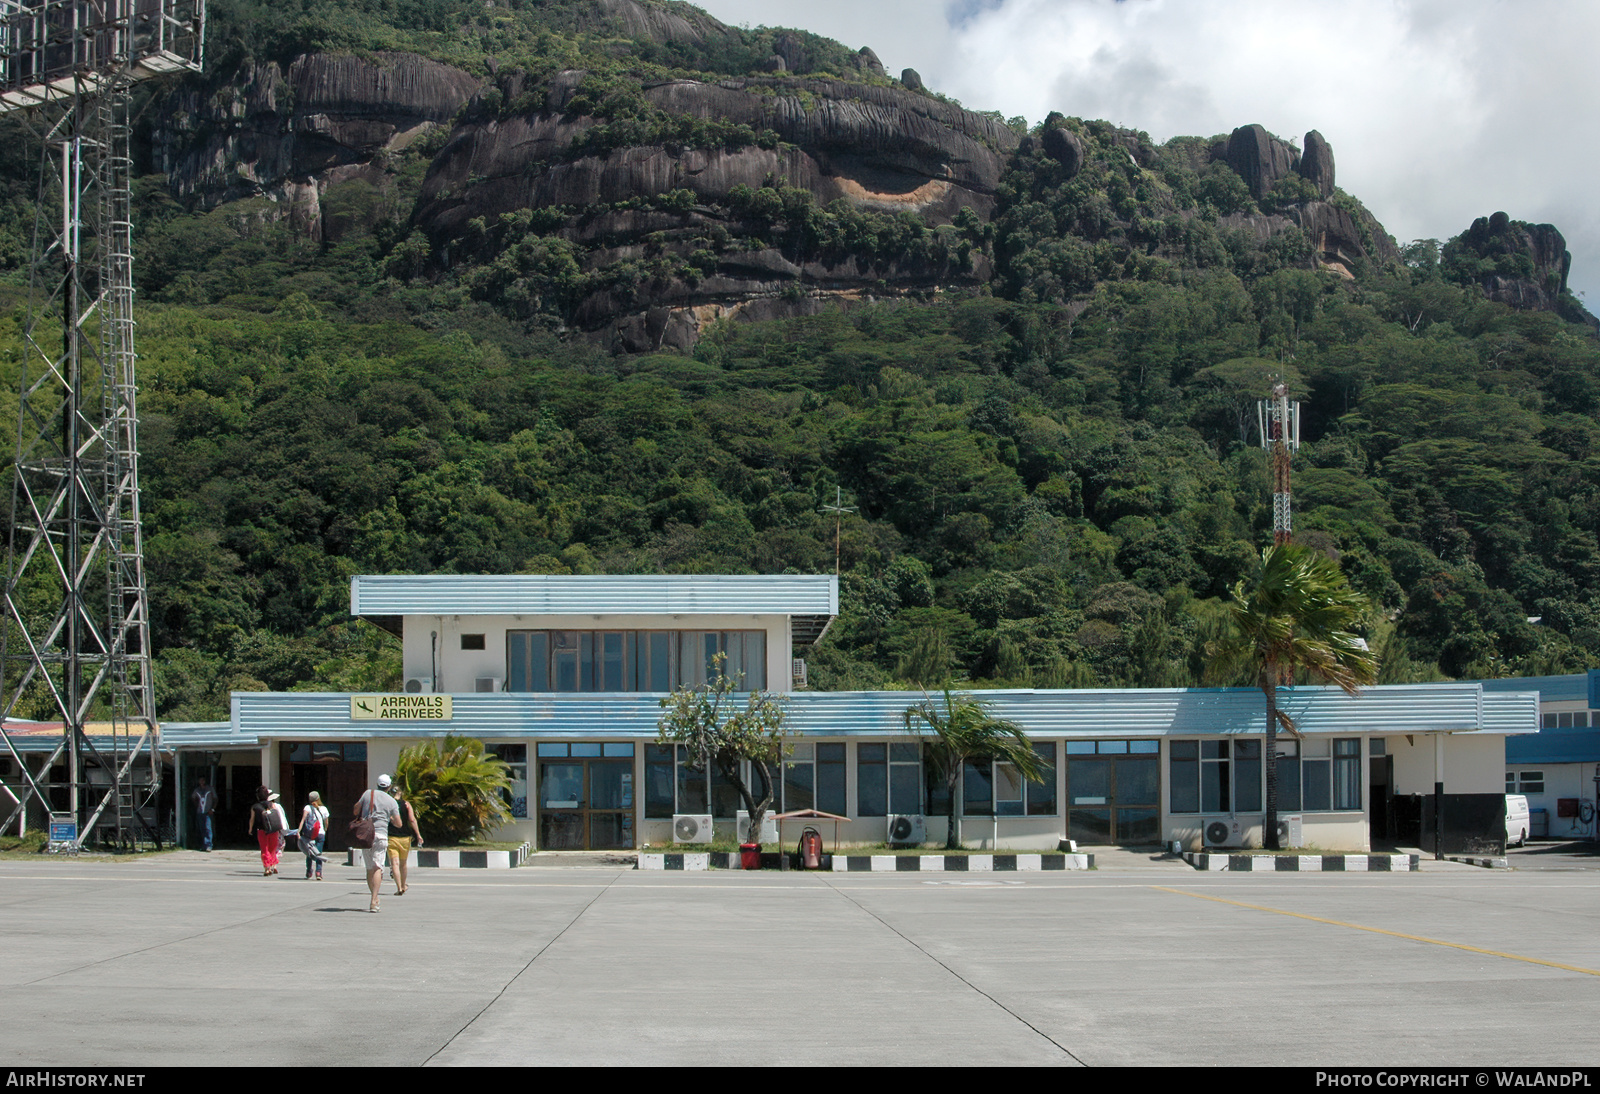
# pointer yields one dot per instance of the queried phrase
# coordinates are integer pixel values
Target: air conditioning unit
(488, 683)
(691, 828)
(1289, 830)
(1222, 832)
(769, 826)
(800, 672)
(419, 685)
(907, 828)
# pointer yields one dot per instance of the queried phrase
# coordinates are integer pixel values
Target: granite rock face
(288, 135)
(1259, 158)
(1531, 266)
(911, 79)
(661, 24)
(1316, 163)
(1063, 146)
(881, 148)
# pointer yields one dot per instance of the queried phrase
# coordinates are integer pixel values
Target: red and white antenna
(1279, 422)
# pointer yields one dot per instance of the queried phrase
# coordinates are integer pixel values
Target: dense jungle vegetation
(1054, 478)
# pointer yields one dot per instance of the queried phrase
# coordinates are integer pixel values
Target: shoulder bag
(363, 833)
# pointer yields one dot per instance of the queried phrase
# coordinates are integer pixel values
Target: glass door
(586, 797)
(1114, 792)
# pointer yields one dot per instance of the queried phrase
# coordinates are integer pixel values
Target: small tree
(455, 788)
(961, 730)
(716, 730)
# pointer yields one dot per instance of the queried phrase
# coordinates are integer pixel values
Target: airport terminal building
(563, 676)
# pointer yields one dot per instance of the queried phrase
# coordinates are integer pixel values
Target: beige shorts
(373, 856)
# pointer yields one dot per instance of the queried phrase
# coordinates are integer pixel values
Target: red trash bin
(749, 856)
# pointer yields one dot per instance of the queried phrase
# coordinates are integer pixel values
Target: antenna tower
(76, 639)
(838, 509)
(1279, 421)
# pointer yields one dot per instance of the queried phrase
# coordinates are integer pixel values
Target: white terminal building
(562, 677)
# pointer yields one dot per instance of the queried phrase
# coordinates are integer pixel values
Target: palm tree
(1298, 618)
(961, 729)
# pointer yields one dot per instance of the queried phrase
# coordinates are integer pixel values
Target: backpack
(269, 818)
(311, 827)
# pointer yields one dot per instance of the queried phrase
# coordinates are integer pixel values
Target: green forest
(1050, 457)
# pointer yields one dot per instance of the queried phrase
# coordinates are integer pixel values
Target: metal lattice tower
(76, 639)
(1279, 421)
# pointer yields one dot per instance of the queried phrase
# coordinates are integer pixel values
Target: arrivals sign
(400, 708)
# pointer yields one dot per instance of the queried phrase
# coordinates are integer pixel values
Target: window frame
(1231, 766)
(549, 655)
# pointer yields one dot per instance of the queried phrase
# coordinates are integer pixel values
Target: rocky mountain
(682, 190)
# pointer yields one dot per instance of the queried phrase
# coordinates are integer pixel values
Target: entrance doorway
(1114, 791)
(335, 770)
(586, 796)
(1380, 775)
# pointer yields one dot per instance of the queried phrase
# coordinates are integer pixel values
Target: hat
(383, 782)
(272, 797)
(314, 796)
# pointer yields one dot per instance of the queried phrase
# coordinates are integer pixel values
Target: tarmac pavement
(195, 959)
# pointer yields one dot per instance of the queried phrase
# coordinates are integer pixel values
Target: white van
(1517, 822)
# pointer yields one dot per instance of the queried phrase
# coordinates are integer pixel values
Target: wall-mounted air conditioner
(419, 685)
(1289, 830)
(1222, 832)
(691, 828)
(488, 683)
(769, 827)
(799, 673)
(907, 828)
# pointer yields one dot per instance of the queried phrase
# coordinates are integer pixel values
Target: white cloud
(1438, 111)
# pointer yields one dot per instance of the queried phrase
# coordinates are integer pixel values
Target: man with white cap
(381, 808)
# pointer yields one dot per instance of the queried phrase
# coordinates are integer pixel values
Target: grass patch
(859, 849)
(32, 846)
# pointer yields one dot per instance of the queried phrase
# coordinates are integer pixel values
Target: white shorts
(373, 856)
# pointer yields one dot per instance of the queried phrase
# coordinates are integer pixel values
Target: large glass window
(1219, 776)
(630, 661)
(1319, 775)
(515, 757)
(812, 776)
(987, 787)
(888, 779)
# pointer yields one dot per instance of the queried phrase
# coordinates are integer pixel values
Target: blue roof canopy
(1377, 711)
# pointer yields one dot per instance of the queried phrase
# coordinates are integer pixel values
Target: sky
(1438, 111)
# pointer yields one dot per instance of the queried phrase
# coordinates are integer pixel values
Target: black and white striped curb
(1486, 863)
(729, 860)
(1348, 864)
(458, 860)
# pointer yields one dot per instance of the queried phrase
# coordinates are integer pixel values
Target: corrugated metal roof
(1572, 745)
(1511, 712)
(1552, 689)
(812, 600)
(1377, 711)
(211, 736)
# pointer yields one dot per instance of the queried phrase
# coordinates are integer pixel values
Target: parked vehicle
(1518, 820)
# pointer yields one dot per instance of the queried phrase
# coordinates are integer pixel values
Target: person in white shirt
(313, 834)
(383, 811)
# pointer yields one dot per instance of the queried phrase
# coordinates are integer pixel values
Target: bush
(455, 788)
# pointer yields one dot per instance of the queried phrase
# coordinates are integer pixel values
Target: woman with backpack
(268, 829)
(313, 833)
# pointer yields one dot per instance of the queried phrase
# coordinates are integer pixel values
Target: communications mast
(76, 640)
(1279, 421)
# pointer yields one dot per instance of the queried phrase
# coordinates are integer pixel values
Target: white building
(563, 677)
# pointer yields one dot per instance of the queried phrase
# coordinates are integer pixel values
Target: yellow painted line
(1380, 930)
